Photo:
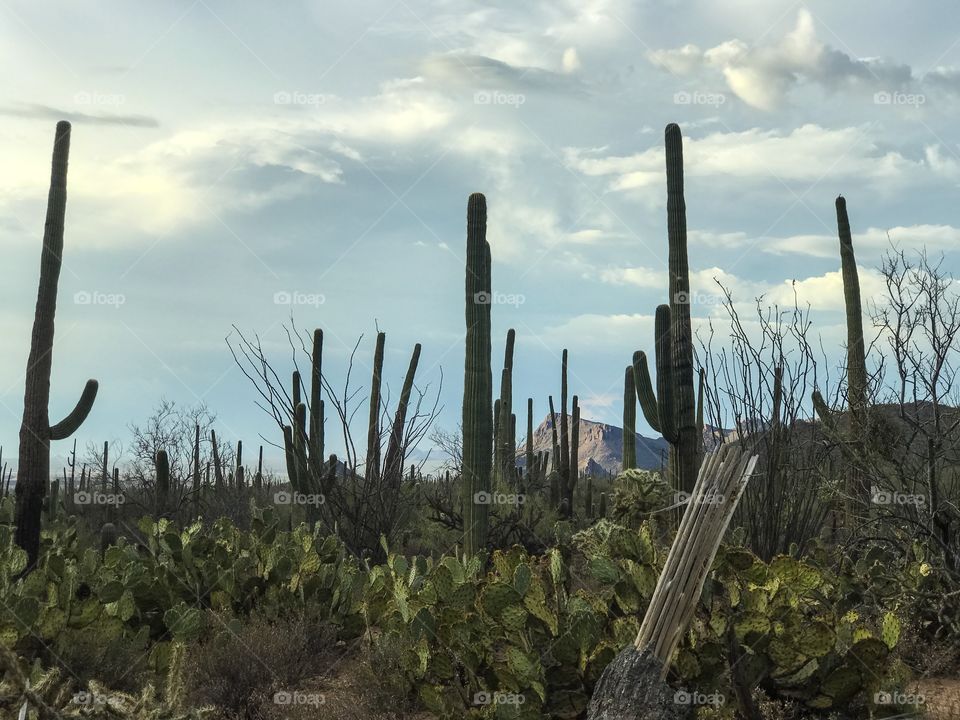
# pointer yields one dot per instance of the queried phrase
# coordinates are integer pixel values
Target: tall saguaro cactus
(373, 425)
(477, 379)
(393, 462)
(685, 450)
(857, 489)
(505, 450)
(33, 472)
(678, 402)
(629, 420)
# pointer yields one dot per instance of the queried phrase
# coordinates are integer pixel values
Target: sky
(241, 164)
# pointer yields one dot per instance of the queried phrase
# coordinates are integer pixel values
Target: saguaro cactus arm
(69, 425)
(659, 409)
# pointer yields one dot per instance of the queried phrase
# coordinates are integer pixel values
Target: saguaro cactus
(678, 411)
(629, 420)
(393, 462)
(857, 489)
(505, 452)
(564, 437)
(33, 472)
(686, 457)
(477, 379)
(373, 425)
(162, 464)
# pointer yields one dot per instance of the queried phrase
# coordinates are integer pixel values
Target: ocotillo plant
(629, 420)
(36, 432)
(857, 489)
(477, 379)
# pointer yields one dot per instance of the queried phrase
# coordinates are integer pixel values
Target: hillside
(601, 447)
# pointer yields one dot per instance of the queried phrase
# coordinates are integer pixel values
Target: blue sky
(225, 152)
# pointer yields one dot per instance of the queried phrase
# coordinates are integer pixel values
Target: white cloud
(763, 75)
(640, 276)
(870, 243)
(679, 61)
(807, 153)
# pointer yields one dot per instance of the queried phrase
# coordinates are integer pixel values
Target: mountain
(601, 447)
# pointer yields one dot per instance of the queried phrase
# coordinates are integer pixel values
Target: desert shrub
(254, 664)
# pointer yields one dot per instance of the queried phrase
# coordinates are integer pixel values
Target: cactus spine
(478, 381)
(36, 432)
